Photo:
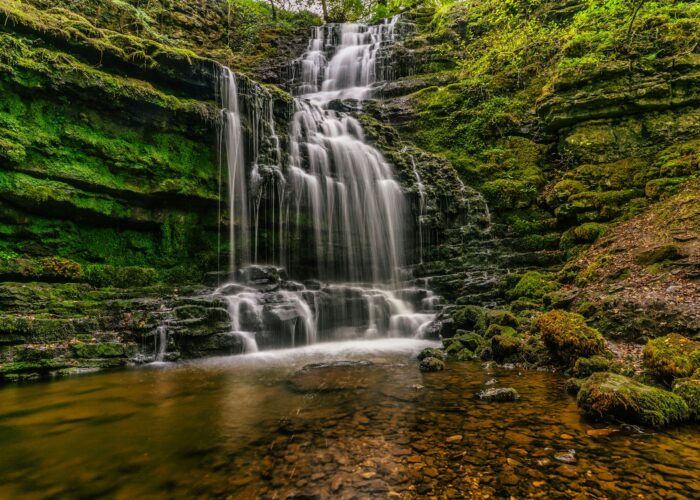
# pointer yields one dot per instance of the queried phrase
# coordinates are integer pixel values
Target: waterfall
(161, 343)
(235, 163)
(337, 213)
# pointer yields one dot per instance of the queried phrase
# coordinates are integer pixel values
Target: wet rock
(431, 352)
(328, 377)
(500, 394)
(567, 471)
(573, 385)
(568, 457)
(431, 364)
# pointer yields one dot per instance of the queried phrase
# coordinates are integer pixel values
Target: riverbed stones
(329, 377)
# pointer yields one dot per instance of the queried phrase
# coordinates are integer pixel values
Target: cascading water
(338, 214)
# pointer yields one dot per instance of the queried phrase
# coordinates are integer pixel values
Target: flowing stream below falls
(260, 426)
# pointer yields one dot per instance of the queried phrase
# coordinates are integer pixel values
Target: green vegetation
(609, 394)
(671, 357)
(567, 336)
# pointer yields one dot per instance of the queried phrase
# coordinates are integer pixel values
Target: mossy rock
(495, 330)
(608, 394)
(431, 364)
(567, 336)
(501, 317)
(121, 277)
(533, 285)
(573, 385)
(689, 390)
(505, 346)
(670, 357)
(100, 350)
(659, 254)
(431, 352)
(469, 318)
(589, 232)
(470, 340)
(587, 366)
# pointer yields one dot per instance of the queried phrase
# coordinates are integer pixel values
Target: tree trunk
(274, 10)
(325, 10)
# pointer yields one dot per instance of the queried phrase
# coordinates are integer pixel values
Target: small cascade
(160, 343)
(245, 312)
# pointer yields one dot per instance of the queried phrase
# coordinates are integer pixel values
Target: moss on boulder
(567, 336)
(431, 364)
(670, 357)
(584, 367)
(611, 395)
(689, 390)
(533, 285)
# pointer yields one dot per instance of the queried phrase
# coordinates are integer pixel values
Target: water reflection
(237, 426)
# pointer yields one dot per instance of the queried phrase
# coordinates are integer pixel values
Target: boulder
(500, 394)
(567, 336)
(431, 352)
(670, 357)
(584, 367)
(689, 390)
(606, 394)
(431, 364)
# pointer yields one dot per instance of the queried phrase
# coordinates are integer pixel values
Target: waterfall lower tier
(269, 311)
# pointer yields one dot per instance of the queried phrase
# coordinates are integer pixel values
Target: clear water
(234, 426)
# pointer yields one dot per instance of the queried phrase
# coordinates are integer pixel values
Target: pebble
(454, 439)
(567, 471)
(567, 457)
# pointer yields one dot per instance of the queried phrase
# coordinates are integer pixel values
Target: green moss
(100, 350)
(609, 394)
(671, 357)
(589, 232)
(533, 285)
(567, 336)
(689, 390)
(586, 366)
(505, 345)
(469, 318)
(501, 317)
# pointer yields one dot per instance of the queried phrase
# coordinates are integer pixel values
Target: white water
(161, 343)
(335, 205)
